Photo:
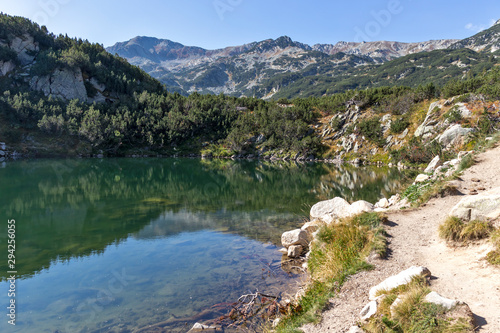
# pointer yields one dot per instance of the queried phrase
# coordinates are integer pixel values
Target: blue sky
(218, 23)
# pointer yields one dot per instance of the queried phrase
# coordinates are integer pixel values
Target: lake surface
(115, 245)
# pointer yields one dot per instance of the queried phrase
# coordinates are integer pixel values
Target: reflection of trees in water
(73, 208)
(351, 183)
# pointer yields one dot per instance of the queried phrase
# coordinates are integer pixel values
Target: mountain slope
(485, 41)
(242, 70)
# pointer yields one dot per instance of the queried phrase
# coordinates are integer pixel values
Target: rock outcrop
(453, 135)
(63, 83)
(25, 47)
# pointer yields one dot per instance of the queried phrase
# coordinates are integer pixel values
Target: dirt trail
(458, 273)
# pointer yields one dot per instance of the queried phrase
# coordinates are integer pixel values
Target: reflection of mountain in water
(72, 208)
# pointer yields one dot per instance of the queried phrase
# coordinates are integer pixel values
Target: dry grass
(454, 229)
(413, 314)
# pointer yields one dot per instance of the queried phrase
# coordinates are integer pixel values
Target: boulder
(484, 206)
(433, 165)
(295, 237)
(435, 298)
(330, 210)
(421, 178)
(360, 206)
(311, 227)
(453, 134)
(369, 310)
(400, 279)
(6, 67)
(295, 251)
(382, 203)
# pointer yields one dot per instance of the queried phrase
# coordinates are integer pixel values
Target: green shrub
(399, 125)
(372, 130)
(453, 115)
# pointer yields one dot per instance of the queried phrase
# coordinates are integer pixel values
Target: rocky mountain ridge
(274, 67)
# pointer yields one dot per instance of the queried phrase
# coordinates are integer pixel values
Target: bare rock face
(400, 279)
(63, 83)
(484, 206)
(24, 46)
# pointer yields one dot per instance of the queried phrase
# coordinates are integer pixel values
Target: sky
(215, 24)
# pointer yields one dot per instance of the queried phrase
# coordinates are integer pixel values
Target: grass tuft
(454, 229)
(494, 256)
(413, 314)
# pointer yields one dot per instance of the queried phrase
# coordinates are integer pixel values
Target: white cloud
(475, 27)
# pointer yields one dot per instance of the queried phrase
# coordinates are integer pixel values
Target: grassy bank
(338, 252)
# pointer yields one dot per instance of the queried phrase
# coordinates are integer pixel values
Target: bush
(372, 130)
(453, 115)
(399, 125)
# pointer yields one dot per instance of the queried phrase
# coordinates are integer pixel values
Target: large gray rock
(400, 279)
(330, 210)
(295, 237)
(453, 134)
(24, 46)
(435, 298)
(484, 206)
(433, 164)
(63, 83)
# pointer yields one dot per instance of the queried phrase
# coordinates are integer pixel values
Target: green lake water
(114, 245)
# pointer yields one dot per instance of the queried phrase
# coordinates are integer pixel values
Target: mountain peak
(497, 22)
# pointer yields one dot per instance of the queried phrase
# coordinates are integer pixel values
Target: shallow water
(115, 245)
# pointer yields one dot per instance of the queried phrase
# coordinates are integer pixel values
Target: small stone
(435, 298)
(369, 310)
(421, 178)
(295, 251)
